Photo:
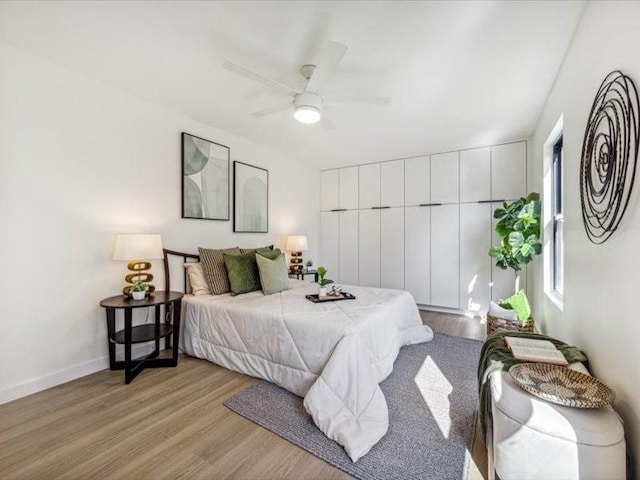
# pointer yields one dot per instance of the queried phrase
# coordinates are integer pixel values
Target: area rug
(431, 394)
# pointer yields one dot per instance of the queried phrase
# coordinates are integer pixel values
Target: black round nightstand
(168, 329)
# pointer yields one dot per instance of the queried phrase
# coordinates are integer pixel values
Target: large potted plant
(519, 230)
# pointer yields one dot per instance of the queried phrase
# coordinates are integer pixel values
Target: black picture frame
(206, 182)
(250, 198)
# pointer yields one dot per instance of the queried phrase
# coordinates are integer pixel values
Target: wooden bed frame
(186, 257)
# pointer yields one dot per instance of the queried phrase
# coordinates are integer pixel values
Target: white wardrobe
(423, 224)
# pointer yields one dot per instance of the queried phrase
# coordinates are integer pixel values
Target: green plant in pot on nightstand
(323, 282)
(519, 230)
(138, 290)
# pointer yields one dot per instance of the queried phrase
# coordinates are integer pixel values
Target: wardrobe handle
(338, 209)
(429, 204)
(492, 201)
(379, 208)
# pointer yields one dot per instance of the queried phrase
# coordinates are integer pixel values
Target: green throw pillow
(274, 276)
(242, 270)
(518, 302)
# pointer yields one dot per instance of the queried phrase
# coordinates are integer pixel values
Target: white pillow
(497, 311)
(197, 281)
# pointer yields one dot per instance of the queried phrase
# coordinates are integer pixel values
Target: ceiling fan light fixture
(307, 114)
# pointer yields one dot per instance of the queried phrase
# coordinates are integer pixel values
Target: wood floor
(169, 423)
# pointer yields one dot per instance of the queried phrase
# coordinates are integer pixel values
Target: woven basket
(495, 323)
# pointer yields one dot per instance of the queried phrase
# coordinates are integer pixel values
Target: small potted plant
(309, 264)
(138, 290)
(323, 282)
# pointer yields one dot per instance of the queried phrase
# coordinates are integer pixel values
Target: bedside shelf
(144, 333)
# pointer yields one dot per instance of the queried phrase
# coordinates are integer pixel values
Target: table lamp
(138, 249)
(296, 244)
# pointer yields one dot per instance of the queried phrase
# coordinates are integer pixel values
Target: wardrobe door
(444, 178)
(330, 243)
(417, 253)
(349, 188)
(369, 176)
(329, 190)
(348, 267)
(417, 183)
(392, 248)
(445, 242)
(475, 175)
(509, 171)
(369, 252)
(475, 263)
(392, 183)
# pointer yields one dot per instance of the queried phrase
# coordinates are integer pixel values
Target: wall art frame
(251, 198)
(206, 182)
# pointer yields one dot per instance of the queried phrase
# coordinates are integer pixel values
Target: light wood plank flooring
(168, 423)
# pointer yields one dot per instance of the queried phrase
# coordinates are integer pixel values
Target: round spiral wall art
(609, 156)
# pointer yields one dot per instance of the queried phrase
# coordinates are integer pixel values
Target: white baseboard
(13, 392)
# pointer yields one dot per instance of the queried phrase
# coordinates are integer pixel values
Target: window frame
(557, 221)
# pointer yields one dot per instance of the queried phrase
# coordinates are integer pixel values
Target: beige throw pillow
(197, 282)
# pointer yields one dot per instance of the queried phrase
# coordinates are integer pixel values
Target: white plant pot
(322, 291)
(138, 295)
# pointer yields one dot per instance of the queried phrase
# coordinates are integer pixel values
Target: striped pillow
(214, 269)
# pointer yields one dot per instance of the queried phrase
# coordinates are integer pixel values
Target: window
(557, 219)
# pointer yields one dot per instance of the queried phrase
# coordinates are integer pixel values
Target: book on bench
(534, 350)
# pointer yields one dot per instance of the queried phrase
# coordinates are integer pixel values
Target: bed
(333, 354)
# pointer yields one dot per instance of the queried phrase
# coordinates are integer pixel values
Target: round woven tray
(562, 385)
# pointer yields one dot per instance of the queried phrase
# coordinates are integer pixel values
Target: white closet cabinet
(392, 248)
(381, 251)
(392, 184)
(339, 189)
(329, 190)
(369, 252)
(348, 188)
(369, 185)
(417, 253)
(445, 243)
(348, 256)
(330, 243)
(509, 171)
(475, 175)
(339, 245)
(382, 184)
(444, 178)
(475, 263)
(417, 181)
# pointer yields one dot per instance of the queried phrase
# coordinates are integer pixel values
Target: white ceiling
(461, 74)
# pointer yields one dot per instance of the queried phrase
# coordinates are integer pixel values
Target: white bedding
(333, 354)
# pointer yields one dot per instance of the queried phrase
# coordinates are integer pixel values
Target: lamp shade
(138, 246)
(296, 243)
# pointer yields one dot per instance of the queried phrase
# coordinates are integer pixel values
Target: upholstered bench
(530, 438)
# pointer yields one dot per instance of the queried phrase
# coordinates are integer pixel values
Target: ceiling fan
(307, 104)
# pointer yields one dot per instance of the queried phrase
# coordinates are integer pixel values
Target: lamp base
(141, 274)
(296, 264)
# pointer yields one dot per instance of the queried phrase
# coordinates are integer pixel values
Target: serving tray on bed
(329, 298)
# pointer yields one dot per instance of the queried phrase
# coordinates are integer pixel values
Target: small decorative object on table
(138, 290)
(296, 244)
(323, 282)
(309, 264)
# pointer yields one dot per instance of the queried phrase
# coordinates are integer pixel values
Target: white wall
(601, 281)
(79, 162)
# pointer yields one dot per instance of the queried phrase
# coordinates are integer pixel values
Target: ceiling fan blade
(358, 100)
(329, 57)
(274, 109)
(256, 77)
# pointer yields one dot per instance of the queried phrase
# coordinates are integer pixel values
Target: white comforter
(333, 354)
